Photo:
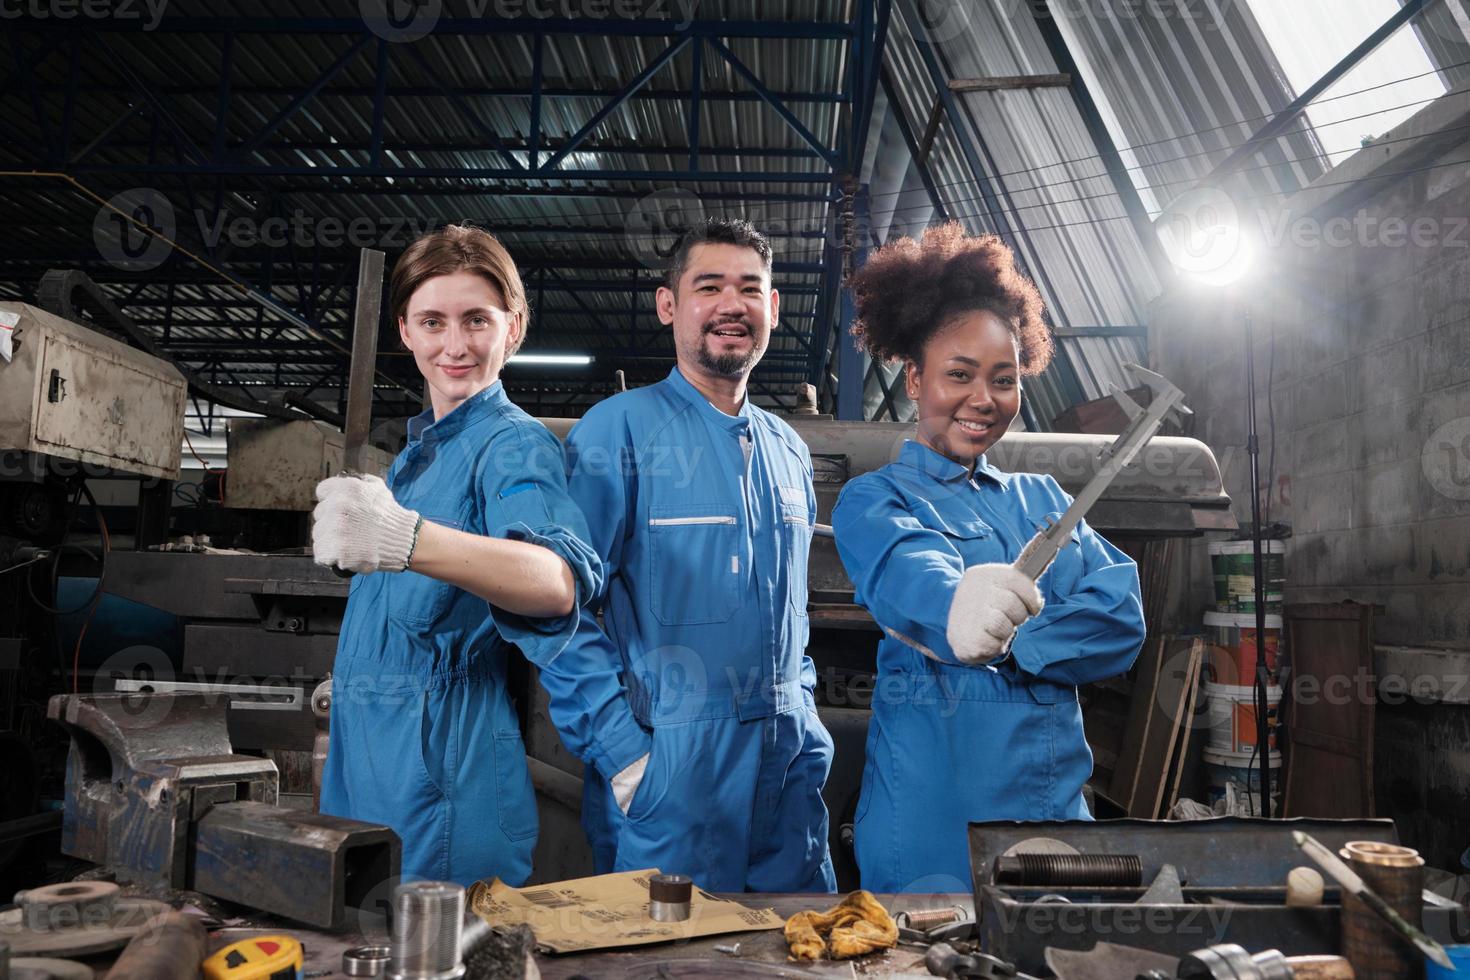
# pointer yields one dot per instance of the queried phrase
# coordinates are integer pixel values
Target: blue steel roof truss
(217, 174)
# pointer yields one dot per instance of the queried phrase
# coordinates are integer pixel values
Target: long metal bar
(245, 168)
(1107, 151)
(310, 92)
(977, 156)
(365, 319)
(1263, 679)
(161, 113)
(873, 58)
(538, 80)
(604, 149)
(696, 84)
(467, 112)
(448, 26)
(118, 123)
(613, 104)
(28, 79)
(69, 106)
(1283, 120)
(380, 103)
(468, 92)
(222, 97)
(921, 163)
(770, 99)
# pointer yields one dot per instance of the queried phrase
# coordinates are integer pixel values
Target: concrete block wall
(1364, 336)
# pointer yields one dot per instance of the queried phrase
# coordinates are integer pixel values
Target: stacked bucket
(1231, 755)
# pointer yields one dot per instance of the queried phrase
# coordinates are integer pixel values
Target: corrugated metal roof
(1178, 92)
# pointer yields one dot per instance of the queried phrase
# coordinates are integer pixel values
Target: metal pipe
(1263, 677)
(170, 949)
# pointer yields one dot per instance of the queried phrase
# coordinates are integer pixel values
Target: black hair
(717, 231)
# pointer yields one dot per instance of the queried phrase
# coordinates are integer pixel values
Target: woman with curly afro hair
(975, 711)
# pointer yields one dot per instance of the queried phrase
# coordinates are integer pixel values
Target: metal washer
(366, 961)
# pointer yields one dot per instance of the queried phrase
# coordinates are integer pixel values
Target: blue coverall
(703, 522)
(950, 743)
(424, 737)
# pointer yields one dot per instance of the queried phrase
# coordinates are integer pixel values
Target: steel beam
(770, 99)
(1282, 121)
(468, 26)
(613, 104)
(921, 162)
(1102, 139)
(244, 168)
(461, 91)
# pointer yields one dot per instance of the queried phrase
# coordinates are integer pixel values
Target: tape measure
(260, 958)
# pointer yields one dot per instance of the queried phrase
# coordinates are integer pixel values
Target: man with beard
(701, 507)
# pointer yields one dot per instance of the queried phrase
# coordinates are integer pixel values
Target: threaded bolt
(428, 917)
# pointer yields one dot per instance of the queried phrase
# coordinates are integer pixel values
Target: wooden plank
(1124, 785)
(1181, 754)
(996, 83)
(1180, 666)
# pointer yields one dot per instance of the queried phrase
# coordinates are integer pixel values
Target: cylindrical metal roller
(172, 948)
(1062, 870)
(669, 897)
(1375, 949)
(427, 919)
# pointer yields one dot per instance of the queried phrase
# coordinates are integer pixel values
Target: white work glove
(358, 526)
(625, 783)
(989, 604)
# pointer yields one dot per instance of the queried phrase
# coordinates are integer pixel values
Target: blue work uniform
(424, 737)
(950, 743)
(703, 522)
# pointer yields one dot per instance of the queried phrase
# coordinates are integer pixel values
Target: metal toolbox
(1233, 871)
(73, 393)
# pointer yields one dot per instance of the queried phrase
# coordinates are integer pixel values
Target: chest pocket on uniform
(694, 554)
(974, 539)
(796, 525)
(416, 600)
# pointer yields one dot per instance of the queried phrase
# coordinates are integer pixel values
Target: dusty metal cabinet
(276, 465)
(73, 393)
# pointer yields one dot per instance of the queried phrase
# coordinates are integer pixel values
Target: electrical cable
(1270, 425)
(24, 564)
(56, 562)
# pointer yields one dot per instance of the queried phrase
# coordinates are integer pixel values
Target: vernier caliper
(1168, 402)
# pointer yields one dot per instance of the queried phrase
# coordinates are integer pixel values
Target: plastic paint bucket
(1231, 775)
(1233, 566)
(1231, 716)
(1233, 646)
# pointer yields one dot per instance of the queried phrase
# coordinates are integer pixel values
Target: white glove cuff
(399, 536)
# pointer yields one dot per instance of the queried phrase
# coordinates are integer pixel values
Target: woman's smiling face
(968, 386)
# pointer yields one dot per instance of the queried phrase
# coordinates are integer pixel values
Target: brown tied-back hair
(459, 248)
(909, 291)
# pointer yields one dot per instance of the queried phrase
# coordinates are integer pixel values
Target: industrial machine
(255, 627)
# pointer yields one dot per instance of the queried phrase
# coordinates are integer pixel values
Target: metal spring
(925, 919)
(426, 929)
(1117, 870)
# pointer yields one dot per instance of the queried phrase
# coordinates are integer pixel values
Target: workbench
(761, 953)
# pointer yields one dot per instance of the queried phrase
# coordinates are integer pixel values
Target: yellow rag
(858, 924)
